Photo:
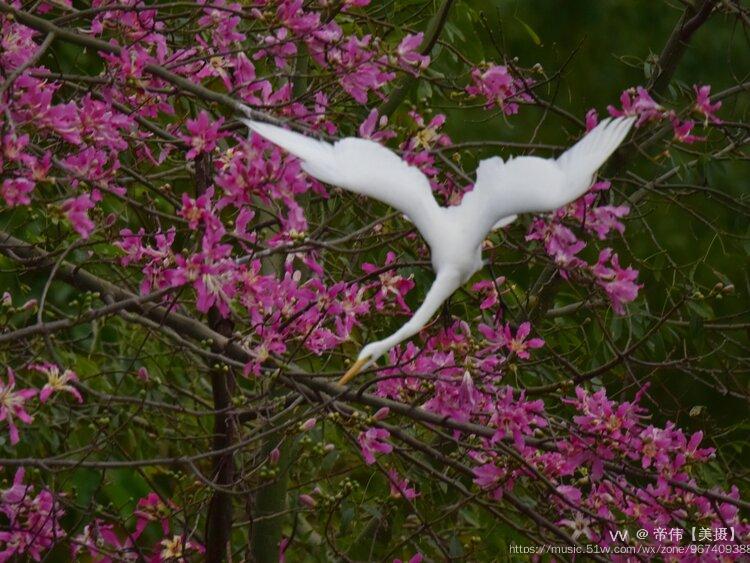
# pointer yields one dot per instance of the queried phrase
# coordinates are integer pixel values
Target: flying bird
(503, 189)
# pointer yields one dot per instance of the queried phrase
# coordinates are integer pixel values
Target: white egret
(454, 234)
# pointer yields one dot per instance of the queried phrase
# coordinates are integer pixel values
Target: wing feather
(530, 184)
(360, 166)
(582, 160)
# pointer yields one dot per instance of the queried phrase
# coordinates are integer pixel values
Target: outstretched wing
(360, 166)
(530, 184)
(580, 162)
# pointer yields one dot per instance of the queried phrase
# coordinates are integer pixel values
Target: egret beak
(354, 370)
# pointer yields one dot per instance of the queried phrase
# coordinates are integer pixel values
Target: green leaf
(533, 34)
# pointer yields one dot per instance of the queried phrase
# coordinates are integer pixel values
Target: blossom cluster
(13, 401)
(33, 520)
(563, 245)
(499, 88)
(637, 102)
(242, 246)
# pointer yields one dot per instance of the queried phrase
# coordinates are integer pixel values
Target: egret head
(366, 358)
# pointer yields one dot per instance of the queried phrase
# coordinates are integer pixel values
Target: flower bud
(307, 500)
(309, 424)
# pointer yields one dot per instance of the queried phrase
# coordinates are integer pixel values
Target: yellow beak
(354, 370)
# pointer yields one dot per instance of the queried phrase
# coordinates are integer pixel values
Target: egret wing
(531, 184)
(360, 166)
(580, 162)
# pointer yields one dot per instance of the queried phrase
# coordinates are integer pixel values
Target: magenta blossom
(488, 476)
(195, 210)
(56, 381)
(152, 509)
(101, 541)
(703, 103)
(498, 87)
(15, 191)
(618, 283)
(682, 131)
(372, 441)
(77, 211)
(560, 242)
(176, 548)
(392, 285)
(408, 54)
(203, 134)
(503, 337)
(487, 289)
(638, 102)
(373, 127)
(519, 344)
(592, 119)
(12, 404)
(33, 521)
(212, 274)
(400, 486)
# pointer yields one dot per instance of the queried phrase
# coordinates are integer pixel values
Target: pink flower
(176, 547)
(353, 59)
(416, 558)
(682, 131)
(408, 54)
(369, 127)
(33, 521)
(618, 283)
(16, 191)
(518, 343)
(638, 102)
(559, 242)
(211, 272)
(488, 476)
(592, 119)
(307, 500)
(56, 381)
(579, 526)
(152, 509)
(400, 486)
(76, 210)
(347, 303)
(703, 103)
(487, 289)
(308, 425)
(283, 545)
(599, 219)
(12, 404)
(392, 285)
(13, 146)
(101, 541)
(203, 134)
(194, 210)
(16, 44)
(497, 86)
(372, 441)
